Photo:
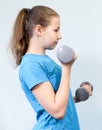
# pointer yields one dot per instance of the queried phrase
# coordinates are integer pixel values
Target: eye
(56, 30)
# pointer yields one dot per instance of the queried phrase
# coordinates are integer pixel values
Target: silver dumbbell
(65, 54)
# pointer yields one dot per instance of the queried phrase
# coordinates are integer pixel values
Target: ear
(39, 29)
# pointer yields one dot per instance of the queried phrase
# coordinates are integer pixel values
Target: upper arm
(45, 95)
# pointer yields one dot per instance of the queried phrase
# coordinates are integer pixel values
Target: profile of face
(51, 34)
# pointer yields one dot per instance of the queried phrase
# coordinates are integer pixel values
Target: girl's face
(51, 34)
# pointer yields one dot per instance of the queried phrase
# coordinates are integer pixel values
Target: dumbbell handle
(76, 100)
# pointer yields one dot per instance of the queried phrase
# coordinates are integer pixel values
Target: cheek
(50, 34)
(49, 39)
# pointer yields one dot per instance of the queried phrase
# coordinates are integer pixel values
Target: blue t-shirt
(35, 69)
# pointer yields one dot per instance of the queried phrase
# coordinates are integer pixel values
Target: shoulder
(37, 64)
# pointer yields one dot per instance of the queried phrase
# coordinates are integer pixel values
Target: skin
(47, 38)
(88, 88)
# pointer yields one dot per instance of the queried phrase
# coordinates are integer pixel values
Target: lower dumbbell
(65, 54)
(82, 93)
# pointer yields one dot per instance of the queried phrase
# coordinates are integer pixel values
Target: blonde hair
(23, 27)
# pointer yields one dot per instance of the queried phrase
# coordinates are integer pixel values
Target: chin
(50, 48)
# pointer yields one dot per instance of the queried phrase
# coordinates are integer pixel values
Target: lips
(56, 42)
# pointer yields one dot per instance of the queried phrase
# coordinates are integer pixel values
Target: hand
(69, 64)
(88, 88)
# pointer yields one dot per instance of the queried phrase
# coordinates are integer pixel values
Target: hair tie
(28, 10)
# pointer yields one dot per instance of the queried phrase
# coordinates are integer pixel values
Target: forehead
(55, 21)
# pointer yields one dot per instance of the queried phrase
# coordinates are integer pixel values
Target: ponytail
(20, 38)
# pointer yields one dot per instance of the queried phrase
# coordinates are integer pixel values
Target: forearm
(61, 97)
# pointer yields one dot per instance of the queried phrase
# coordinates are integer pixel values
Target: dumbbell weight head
(65, 54)
(82, 93)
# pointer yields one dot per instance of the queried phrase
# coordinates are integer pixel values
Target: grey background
(81, 27)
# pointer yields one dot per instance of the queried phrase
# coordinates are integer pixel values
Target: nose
(59, 36)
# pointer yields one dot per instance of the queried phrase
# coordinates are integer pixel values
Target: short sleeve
(33, 74)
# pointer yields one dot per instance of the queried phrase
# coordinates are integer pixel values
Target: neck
(35, 47)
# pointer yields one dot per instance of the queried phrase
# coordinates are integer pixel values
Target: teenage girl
(45, 83)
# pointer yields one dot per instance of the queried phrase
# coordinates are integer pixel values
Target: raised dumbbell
(82, 93)
(65, 54)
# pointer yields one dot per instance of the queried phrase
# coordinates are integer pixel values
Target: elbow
(59, 114)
